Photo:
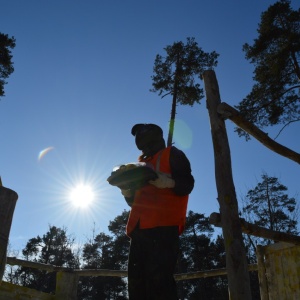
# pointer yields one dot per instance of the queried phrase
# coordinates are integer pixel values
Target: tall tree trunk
(172, 121)
(236, 262)
(8, 199)
(174, 101)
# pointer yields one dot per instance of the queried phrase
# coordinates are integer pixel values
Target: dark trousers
(152, 260)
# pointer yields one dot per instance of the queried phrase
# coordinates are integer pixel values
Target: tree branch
(165, 95)
(297, 120)
(248, 228)
(228, 111)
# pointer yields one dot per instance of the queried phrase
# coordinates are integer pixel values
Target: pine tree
(175, 75)
(54, 248)
(268, 205)
(275, 96)
(6, 65)
(106, 252)
(198, 252)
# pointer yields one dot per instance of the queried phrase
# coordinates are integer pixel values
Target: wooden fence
(67, 280)
(278, 264)
(278, 270)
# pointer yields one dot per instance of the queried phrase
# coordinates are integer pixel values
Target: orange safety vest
(153, 207)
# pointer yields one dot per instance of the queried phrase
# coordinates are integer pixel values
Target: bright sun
(82, 196)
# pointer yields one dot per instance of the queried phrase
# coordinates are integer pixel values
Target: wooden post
(236, 262)
(66, 286)
(8, 199)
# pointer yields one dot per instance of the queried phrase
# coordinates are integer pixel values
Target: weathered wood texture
(209, 273)
(282, 271)
(13, 261)
(66, 286)
(263, 285)
(236, 262)
(67, 280)
(8, 199)
(10, 291)
(252, 229)
(114, 273)
(231, 113)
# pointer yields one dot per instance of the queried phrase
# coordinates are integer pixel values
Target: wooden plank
(271, 276)
(13, 261)
(263, 285)
(279, 280)
(100, 272)
(66, 286)
(283, 271)
(290, 259)
(277, 247)
(10, 291)
(208, 273)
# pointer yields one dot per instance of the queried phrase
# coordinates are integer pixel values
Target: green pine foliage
(6, 65)
(268, 205)
(275, 54)
(54, 248)
(177, 72)
(102, 251)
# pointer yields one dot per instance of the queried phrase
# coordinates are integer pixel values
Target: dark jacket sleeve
(181, 172)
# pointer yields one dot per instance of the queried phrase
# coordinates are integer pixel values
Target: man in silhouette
(157, 217)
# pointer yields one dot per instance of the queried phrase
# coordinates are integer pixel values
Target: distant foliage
(106, 252)
(200, 250)
(275, 53)
(6, 65)
(175, 74)
(268, 205)
(102, 251)
(54, 248)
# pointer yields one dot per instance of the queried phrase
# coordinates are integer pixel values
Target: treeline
(268, 205)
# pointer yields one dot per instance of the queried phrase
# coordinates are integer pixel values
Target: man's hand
(163, 181)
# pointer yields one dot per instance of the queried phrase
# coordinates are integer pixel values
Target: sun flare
(82, 196)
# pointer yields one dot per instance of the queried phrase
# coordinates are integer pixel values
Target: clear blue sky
(82, 78)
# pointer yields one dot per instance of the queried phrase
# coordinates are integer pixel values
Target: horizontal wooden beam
(209, 273)
(116, 273)
(13, 261)
(252, 229)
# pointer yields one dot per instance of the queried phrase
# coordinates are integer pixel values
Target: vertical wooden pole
(8, 199)
(66, 286)
(236, 262)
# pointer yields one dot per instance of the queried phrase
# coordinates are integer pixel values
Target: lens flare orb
(44, 152)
